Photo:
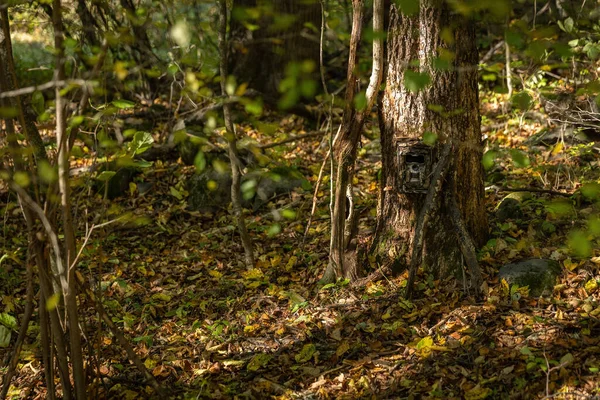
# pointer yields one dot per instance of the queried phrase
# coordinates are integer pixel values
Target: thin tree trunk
(342, 260)
(14, 360)
(70, 292)
(236, 198)
(8, 69)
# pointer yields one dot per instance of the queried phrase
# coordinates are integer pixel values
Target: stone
(538, 274)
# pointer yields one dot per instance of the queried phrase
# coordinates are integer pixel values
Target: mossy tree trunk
(436, 45)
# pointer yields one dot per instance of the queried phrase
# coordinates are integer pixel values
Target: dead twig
(528, 189)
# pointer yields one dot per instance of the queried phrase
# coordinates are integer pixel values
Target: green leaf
(21, 178)
(591, 190)
(180, 33)
(521, 100)
(425, 343)
(220, 166)
(8, 321)
(38, 102)
(148, 340)
(141, 142)
(568, 25)
(123, 104)
(8, 112)
(288, 214)
(430, 138)
(106, 176)
(254, 106)
(489, 159)
(360, 101)
(579, 244)
(559, 207)
(141, 164)
(593, 224)
(175, 193)
(273, 230)
(200, 161)
(519, 158)
(416, 81)
(258, 361)
(47, 172)
(172, 69)
(248, 189)
(526, 351)
(230, 85)
(76, 121)
(306, 353)
(5, 335)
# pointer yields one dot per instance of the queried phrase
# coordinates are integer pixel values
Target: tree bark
(236, 197)
(443, 46)
(70, 291)
(7, 67)
(262, 55)
(344, 223)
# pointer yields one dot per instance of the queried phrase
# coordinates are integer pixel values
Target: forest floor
(206, 327)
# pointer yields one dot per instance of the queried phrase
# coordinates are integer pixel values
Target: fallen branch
(530, 189)
(48, 85)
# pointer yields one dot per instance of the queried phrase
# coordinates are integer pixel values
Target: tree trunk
(70, 290)
(344, 222)
(236, 173)
(262, 55)
(7, 67)
(443, 46)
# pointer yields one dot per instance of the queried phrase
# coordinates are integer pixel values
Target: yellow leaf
(591, 286)
(275, 261)
(557, 148)
(477, 393)
(291, 262)
(425, 343)
(570, 265)
(9, 303)
(253, 274)
(161, 297)
(440, 348)
(52, 301)
(215, 274)
(120, 70)
(150, 363)
(595, 260)
(342, 348)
